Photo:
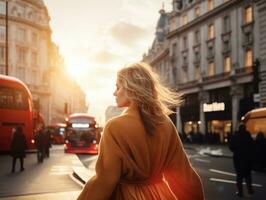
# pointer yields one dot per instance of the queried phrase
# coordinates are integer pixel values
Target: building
(213, 47)
(260, 17)
(112, 111)
(31, 53)
(66, 95)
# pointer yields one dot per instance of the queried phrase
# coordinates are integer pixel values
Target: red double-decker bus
(15, 110)
(57, 132)
(82, 134)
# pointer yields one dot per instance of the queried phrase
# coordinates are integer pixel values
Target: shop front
(189, 113)
(218, 116)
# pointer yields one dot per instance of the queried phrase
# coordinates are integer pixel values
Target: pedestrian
(40, 144)
(260, 152)
(242, 147)
(141, 156)
(47, 143)
(18, 148)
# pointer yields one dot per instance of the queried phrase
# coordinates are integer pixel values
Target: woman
(18, 148)
(141, 156)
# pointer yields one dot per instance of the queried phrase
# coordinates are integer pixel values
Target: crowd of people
(19, 145)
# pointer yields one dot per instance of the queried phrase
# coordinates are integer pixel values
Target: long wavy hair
(143, 88)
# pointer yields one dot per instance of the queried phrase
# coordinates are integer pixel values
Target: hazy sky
(97, 37)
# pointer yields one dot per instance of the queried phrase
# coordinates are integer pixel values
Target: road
(53, 175)
(217, 175)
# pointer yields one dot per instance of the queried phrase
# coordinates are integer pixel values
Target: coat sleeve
(108, 169)
(184, 182)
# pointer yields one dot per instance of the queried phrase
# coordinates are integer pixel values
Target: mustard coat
(135, 166)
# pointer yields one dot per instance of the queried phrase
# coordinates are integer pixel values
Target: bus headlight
(66, 141)
(32, 141)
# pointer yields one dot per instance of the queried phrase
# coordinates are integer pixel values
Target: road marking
(203, 160)
(222, 172)
(230, 181)
(60, 170)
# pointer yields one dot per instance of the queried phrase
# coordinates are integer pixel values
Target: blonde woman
(141, 156)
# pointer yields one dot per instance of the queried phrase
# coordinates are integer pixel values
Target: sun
(76, 70)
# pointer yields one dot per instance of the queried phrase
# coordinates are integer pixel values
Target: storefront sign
(213, 107)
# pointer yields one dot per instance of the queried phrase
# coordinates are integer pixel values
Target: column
(203, 98)
(178, 120)
(237, 94)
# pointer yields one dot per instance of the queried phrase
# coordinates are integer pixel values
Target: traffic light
(256, 75)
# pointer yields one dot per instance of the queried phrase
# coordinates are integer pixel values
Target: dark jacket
(40, 140)
(242, 147)
(18, 145)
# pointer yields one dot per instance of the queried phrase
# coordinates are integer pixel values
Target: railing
(216, 76)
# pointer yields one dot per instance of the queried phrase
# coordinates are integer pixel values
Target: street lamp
(6, 37)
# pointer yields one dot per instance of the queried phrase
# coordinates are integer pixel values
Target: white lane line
(222, 172)
(202, 160)
(230, 181)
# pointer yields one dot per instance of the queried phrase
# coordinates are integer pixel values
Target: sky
(97, 37)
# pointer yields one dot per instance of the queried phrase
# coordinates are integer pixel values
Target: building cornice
(160, 56)
(39, 5)
(204, 17)
(23, 21)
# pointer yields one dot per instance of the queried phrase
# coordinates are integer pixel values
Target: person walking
(141, 156)
(18, 148)
(40, 144)
(242, 147)
(47, 143)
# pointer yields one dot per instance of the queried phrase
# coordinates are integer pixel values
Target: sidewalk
(48, 196)
(219, 150)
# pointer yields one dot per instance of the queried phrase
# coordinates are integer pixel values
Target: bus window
(11, 98)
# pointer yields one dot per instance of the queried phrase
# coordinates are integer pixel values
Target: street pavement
(51, 179)
(62, 176)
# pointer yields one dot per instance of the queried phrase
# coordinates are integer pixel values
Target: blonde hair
(144, 89)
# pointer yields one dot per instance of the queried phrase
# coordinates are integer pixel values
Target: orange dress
(135, 166)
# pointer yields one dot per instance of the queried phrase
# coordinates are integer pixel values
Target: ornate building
(213, 46)
(30, 51)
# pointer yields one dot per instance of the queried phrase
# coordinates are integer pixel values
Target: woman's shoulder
(118, 122)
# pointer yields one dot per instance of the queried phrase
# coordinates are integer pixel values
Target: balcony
(188, 84)
(216, 77)
(244, 70)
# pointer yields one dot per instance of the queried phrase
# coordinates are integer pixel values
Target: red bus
(15, 110)
(82, 134)
(57, 132)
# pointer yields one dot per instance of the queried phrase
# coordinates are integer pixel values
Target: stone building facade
(212, 47)
(30, 51)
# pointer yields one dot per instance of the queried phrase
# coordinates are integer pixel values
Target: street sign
(256, 97)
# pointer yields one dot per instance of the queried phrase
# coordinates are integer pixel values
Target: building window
(34, 58)
(227, 24)
(2, 55)
(2, 32)
(210, 52)
(185, 76)
(21, 55)
(211, 69)
(227, 64)
(185, 45)
(197, 37)
(210, 5)
(248, 15)
(197, 72)
(197, 56)
(34, 38)
(248, 58)
(197, 12)
(226, 46)
(185, 61)
(21, 35)
(184, 20)
(247, 38)
(211, 31)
